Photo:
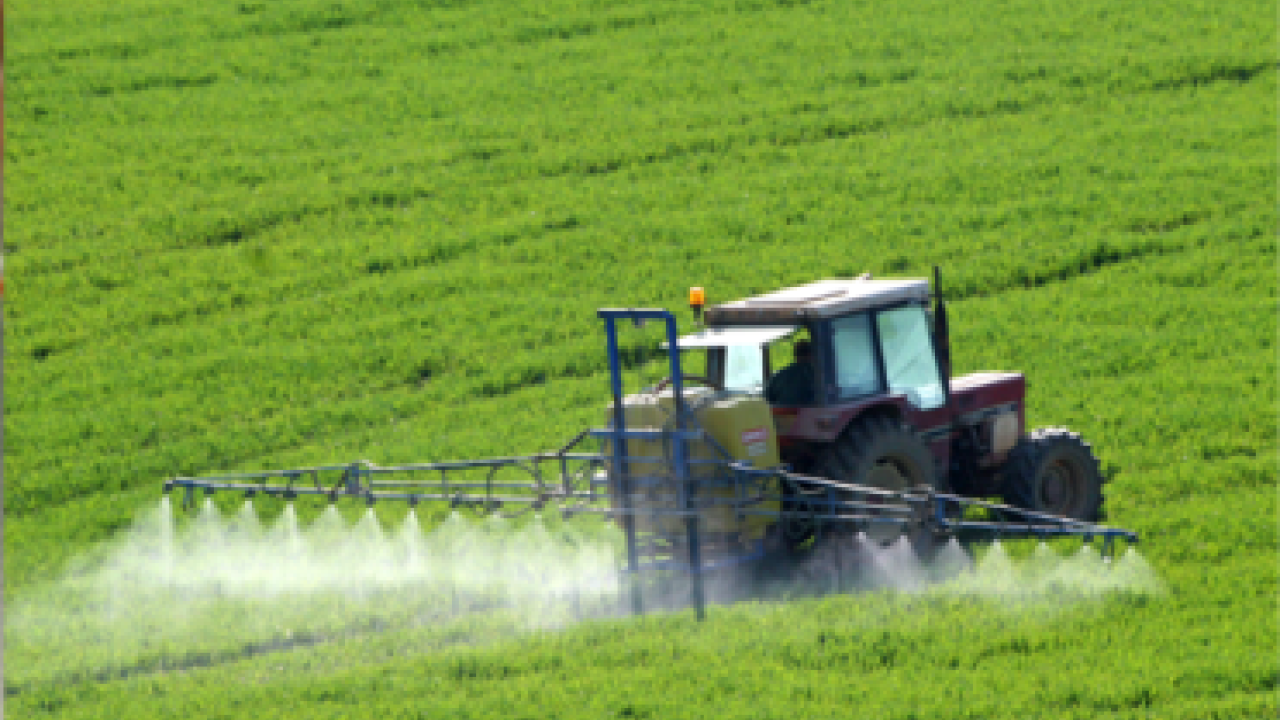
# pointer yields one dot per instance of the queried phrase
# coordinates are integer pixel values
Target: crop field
(253, 235)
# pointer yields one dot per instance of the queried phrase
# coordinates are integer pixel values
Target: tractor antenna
(941, 333)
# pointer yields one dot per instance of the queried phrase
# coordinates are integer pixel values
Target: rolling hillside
(245, 235)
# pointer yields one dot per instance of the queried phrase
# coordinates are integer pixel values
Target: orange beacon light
(697, 298)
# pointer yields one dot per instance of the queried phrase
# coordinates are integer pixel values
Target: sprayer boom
(490, 484)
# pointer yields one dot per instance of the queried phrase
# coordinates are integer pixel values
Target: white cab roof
(738, 335)
(821, 299)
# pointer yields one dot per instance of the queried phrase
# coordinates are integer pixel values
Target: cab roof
(738, 335)
(818, 300)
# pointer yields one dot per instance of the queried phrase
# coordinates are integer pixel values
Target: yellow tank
(741, 424)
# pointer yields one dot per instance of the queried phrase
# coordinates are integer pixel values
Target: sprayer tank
(741, 425)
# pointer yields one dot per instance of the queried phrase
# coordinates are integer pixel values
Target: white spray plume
(235, 584)
(1043, 579)
(238, 558)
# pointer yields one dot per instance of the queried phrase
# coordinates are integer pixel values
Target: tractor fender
(825, 424)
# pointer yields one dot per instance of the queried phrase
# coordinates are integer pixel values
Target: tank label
(756, 441)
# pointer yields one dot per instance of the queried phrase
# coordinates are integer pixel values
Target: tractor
(871, 400)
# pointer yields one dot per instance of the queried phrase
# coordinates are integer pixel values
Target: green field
(249, 235)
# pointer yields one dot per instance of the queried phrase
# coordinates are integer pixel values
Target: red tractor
(868, 398)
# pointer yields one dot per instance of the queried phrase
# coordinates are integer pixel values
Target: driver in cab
(793, 385)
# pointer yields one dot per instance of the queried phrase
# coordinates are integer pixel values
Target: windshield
(734, 356)
(856, 372)
(909, 361)
(744, 368)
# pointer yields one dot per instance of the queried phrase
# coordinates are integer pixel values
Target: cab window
(743, 368)
(855, 359)
(909, 361)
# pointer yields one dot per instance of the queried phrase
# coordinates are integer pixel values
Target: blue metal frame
(618, 435)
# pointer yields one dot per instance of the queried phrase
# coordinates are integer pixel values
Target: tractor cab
(861, 338)
(826, 354)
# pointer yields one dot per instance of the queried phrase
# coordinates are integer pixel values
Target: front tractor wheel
(1054, 471)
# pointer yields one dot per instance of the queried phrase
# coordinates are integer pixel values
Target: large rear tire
(1054, 471)
(880, 452)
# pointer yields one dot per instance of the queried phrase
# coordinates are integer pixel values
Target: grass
(255, 235)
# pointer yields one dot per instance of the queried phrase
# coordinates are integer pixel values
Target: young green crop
(256, 235)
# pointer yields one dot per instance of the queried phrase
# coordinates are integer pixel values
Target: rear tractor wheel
(881, 452)
(1054, 471)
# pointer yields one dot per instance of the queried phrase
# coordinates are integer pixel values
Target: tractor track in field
(822, 128)
(193, 660)
(825, 128)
